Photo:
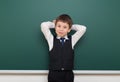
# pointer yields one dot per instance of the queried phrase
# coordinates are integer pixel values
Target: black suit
(61, 62)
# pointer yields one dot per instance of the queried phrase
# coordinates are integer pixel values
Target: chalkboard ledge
(44, 72)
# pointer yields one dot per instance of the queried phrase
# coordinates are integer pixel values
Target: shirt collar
(66, 37)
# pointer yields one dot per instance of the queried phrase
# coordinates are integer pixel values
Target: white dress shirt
(46, 26)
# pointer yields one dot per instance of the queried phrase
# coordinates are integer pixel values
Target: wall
(41, 76)
(23, 46)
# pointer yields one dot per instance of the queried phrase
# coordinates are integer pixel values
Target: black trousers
(60, 76)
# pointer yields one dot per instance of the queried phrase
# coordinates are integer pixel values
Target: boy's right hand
(54, 21)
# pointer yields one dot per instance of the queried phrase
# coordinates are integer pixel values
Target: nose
(61, 28)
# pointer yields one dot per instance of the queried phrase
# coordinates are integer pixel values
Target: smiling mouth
(60, 32)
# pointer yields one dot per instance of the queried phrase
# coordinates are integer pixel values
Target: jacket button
(62, 68)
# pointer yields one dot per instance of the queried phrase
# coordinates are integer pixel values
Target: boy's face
(62, 29)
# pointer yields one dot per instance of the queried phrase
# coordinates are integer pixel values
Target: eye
(58, 26)
(64, 27)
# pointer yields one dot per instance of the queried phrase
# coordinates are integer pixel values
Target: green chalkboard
(23, 46)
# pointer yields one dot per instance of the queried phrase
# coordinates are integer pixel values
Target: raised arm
(80, 30)
(45, 28)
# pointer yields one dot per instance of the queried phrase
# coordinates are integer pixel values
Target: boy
(61, 47)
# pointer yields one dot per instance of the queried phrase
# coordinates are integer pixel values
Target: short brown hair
(64, 18)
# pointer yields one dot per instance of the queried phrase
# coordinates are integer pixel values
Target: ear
(69, 30)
